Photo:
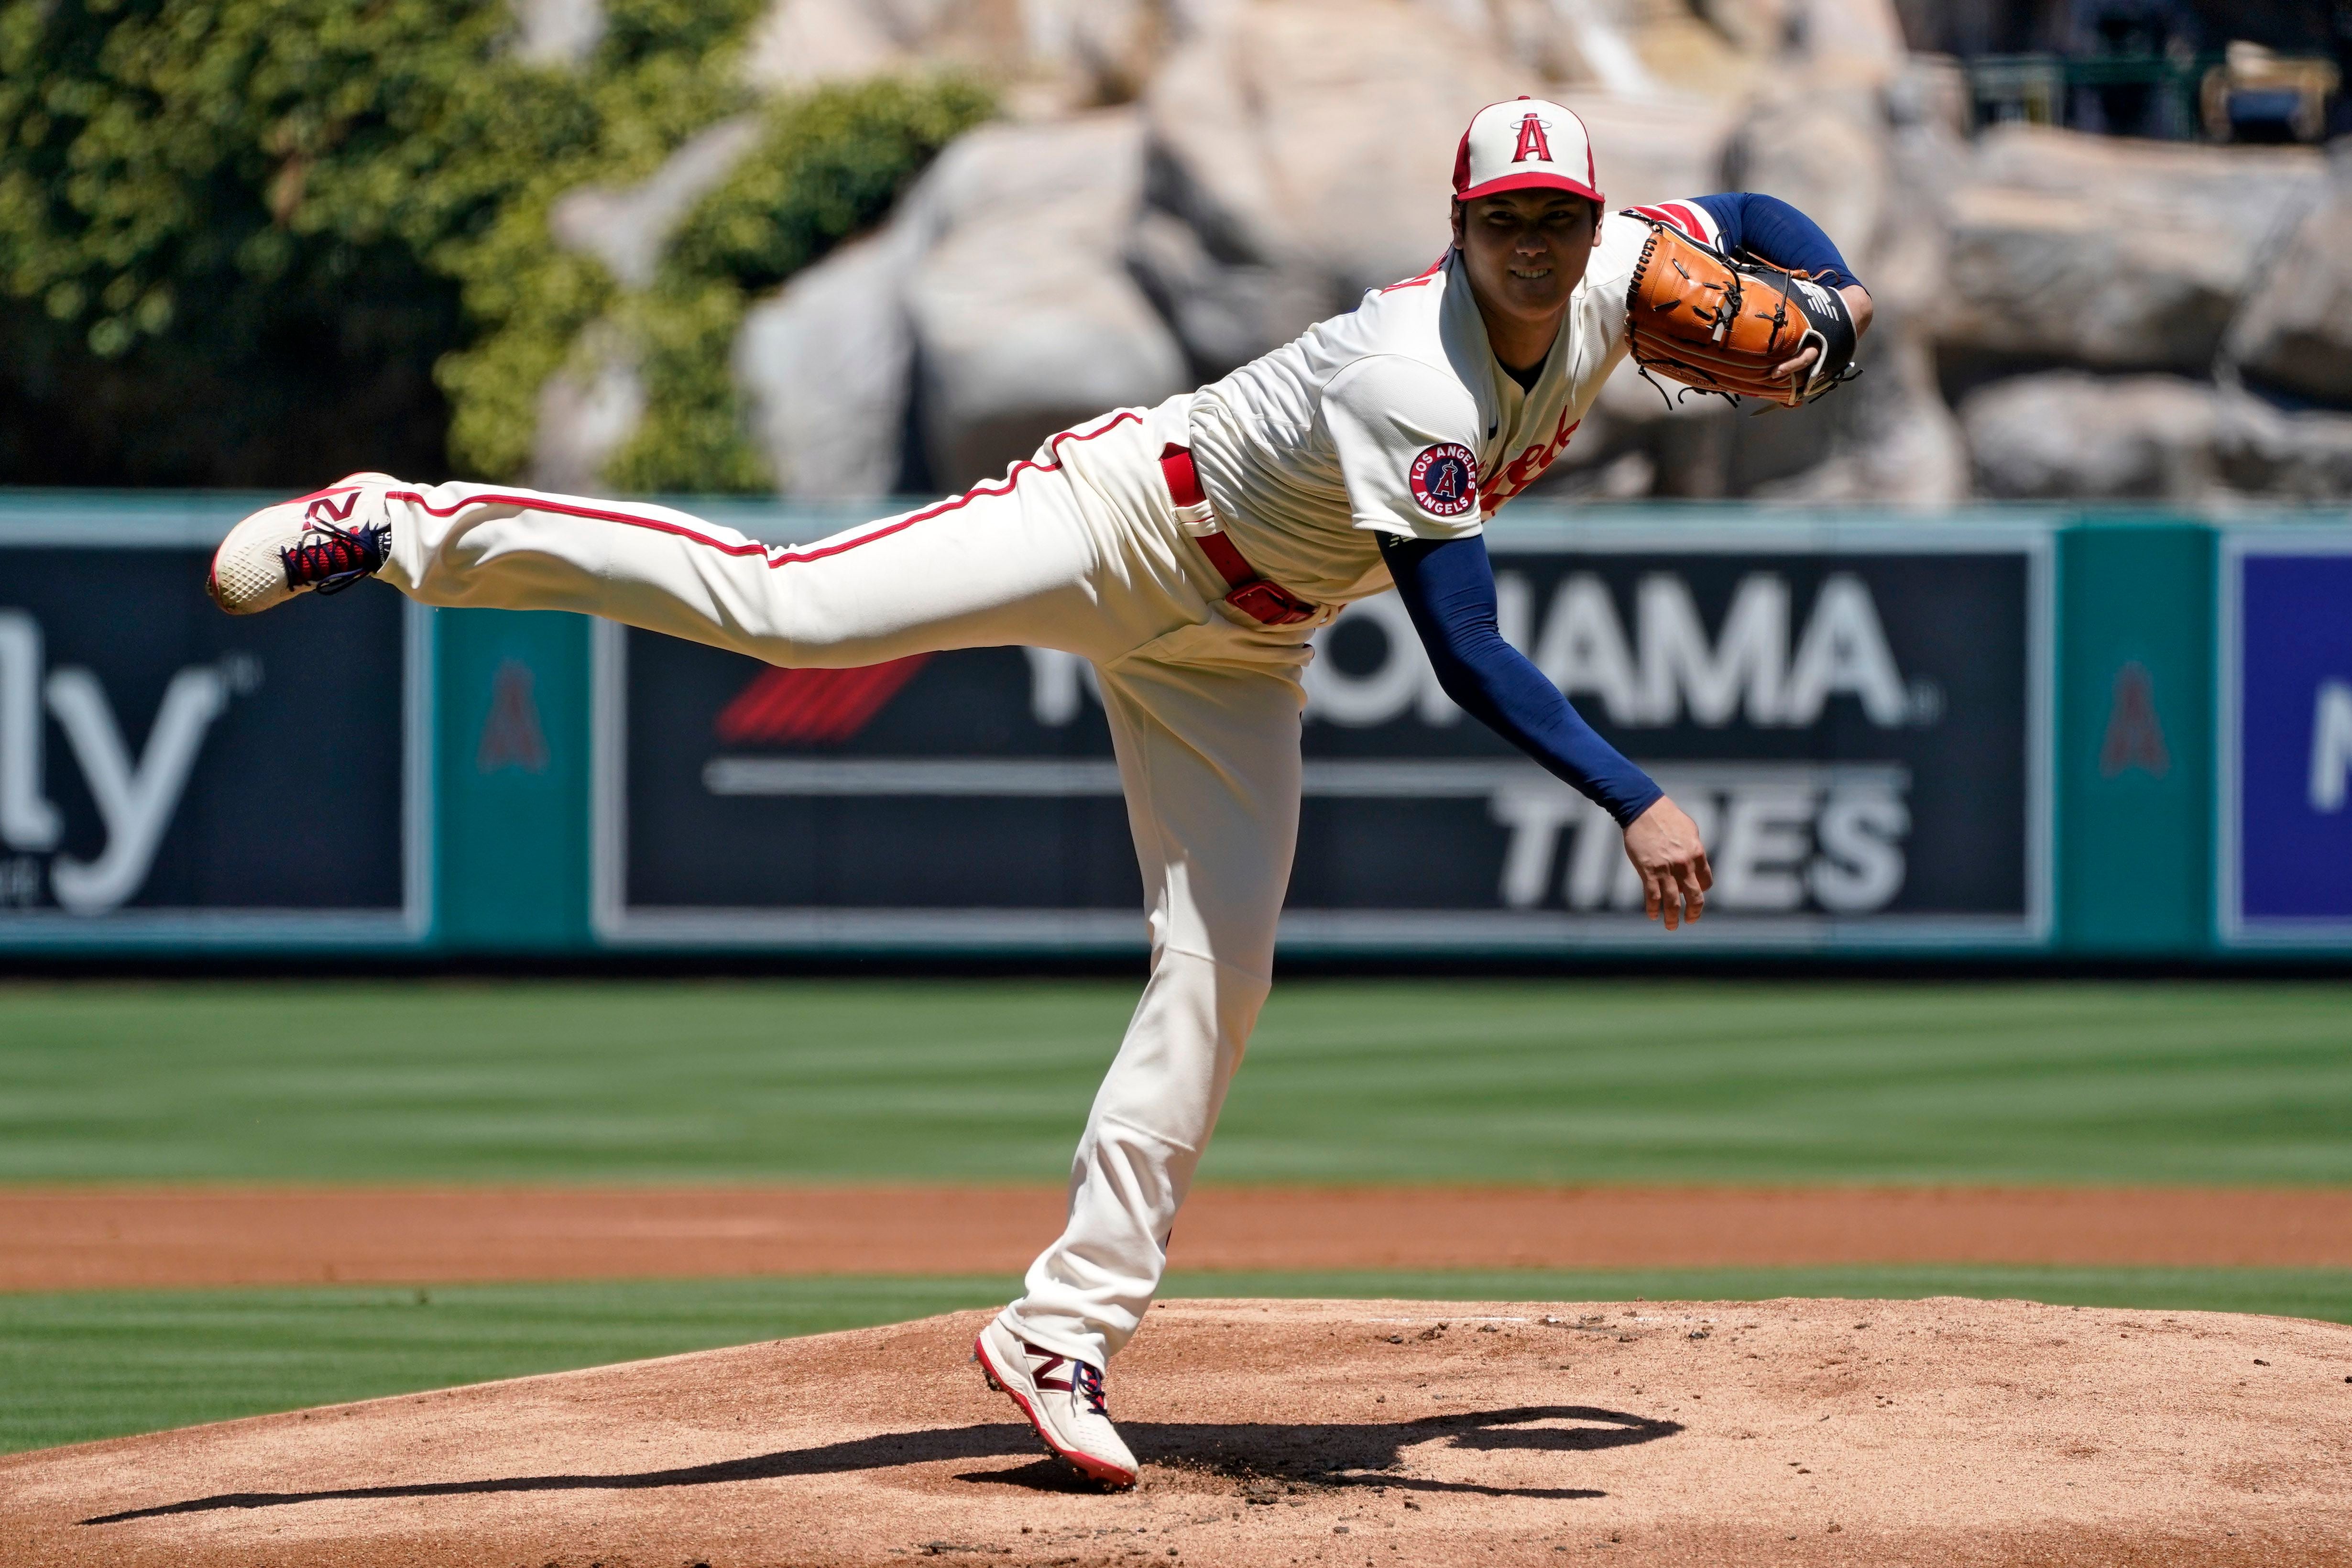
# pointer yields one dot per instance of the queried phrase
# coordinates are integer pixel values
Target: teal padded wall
(2134, 822)
(512, 821)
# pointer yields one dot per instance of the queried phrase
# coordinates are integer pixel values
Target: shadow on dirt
(1325, 1454)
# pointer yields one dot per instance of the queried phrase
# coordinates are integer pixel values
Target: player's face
(1526, 250)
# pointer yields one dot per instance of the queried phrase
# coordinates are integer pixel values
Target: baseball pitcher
(1188, 552)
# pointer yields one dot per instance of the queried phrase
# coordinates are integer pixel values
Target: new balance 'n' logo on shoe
(1063, 1399)
(321, 542)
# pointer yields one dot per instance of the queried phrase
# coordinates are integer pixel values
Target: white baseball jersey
(1397, 418)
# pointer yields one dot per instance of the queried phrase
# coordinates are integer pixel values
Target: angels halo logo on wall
(1445, 479)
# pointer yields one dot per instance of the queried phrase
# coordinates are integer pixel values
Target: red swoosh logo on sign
(814, 706)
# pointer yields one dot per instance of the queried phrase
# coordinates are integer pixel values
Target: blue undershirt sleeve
(1448, 587)
(1770, 227)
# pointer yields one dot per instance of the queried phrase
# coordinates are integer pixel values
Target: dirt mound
(1289, 1432)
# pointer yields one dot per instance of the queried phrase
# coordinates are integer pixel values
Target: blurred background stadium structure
(797, 258)
(847, 248)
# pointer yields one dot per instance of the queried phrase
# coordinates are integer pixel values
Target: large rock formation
(2296, 331)
(997, 298)
(1302, 151)
(587, 412)
(826, 366)
(1025, 318)
(628, 228)
(1278, 157)
(1047, 56)
(1314, 141)
(2068, 434)
(2111, 254)
(2303, 456)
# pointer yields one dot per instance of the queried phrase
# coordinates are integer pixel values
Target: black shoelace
(1090, 1386)
(330, 559)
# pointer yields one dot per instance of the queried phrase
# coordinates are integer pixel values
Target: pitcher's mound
(1303, 1432)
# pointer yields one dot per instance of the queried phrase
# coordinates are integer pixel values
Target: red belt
(1270, 603)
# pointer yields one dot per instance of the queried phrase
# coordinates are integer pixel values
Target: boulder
(1652, 149)
(1887, 437)
(2296, 331)
(996, 301)
(804, 43)
(2303, 456)
(561, 33)
(1823, 148)
(2114, 254)
(826, 365)
(587, 412)
(1044, 56)
(1827, 144)
(2064, 434)
(1312, 140)
(1853, 40)
(1225, 313)
(1845, 143)
(1111, 46)
(1025, 316)
(627, 228)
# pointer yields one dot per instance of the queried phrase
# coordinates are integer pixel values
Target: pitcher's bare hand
(1663, 843)
(1858, 305)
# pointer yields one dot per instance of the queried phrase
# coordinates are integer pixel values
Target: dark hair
(1461, 205)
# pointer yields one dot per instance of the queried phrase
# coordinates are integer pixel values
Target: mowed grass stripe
(1347, 1081)
(80, 1366)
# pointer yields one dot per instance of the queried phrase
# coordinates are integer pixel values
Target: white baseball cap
(1525, 144)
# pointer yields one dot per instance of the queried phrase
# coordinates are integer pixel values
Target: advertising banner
(1855, 716)
(2286, 687)
(168, 773)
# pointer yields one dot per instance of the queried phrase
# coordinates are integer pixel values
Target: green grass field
(1395, 1081)
(1387, 1081)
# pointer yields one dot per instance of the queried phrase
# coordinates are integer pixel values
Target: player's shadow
(1322, 1455)
(1317, 1453)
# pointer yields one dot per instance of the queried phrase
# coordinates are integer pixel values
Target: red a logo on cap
(1531, 141)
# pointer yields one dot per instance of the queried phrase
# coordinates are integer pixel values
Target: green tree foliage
(298, 208)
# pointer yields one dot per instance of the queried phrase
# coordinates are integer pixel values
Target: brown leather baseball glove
(1718, 324)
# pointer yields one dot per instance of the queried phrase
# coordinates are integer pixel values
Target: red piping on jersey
(776, 555)
(1416, 281)
(1682, 217)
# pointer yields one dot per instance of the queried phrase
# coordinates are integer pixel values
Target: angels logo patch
(1445, 479)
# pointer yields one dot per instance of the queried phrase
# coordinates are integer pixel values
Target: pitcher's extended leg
(939, 577)
(1035, 557)
(1209, 753)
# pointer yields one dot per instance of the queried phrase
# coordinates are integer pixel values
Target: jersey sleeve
(1692, 215)
(1448, 588)
(1406, 436)
(1761, 226)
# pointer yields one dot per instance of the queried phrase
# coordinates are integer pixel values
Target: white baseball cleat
(1063, 1399)
(323, 543)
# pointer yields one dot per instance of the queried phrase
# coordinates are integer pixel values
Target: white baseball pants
(1077, 549)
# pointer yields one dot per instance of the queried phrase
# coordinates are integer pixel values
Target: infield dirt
(118, 1238)
(1789, 1432)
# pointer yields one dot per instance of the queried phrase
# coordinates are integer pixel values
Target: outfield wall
(2016, 731)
